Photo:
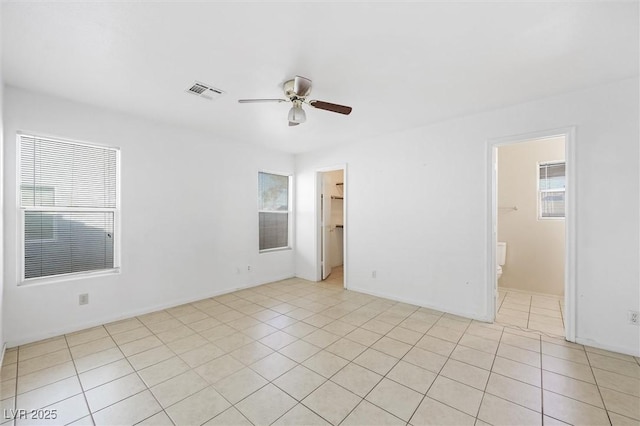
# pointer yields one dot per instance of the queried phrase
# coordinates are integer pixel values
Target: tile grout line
(606, 410)
(542, 370)
(561, 314)
(84, 395)
(366, 368)
(531, 305)
(438, 374)
(361, 366)
(541, 382)
(484, 392)
(385, 375)
(541, 385)
(298, 364)
(511, 378)
(302, 365)
(209, 385)
(232, 405)
(394, 366)
(139, 378)
(44, 368)
(529, 312)
(583, 381)
(15, 395)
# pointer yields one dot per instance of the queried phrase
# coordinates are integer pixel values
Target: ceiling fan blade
(253, 101)
(341, 109)
(291, 124)
(301, 86)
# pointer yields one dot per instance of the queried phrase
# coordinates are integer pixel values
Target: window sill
(67, 277)
(274, 250)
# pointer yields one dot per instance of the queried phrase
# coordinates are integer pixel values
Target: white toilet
(501, 257)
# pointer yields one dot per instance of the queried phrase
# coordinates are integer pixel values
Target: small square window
(551, 190)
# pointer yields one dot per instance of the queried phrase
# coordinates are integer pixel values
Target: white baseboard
(610, 348)
(130, 314)
(308, 278)
(419, 303)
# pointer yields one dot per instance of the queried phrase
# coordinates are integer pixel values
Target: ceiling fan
(296, 92)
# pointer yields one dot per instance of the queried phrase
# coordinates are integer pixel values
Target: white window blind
(273, 211)
(68, 193)
(551, 193)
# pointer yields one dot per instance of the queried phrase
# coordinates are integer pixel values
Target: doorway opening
(331, 226)
(532, 233)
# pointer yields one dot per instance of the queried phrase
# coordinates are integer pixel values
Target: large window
(69, 207)
(274, 213)
(551, 190)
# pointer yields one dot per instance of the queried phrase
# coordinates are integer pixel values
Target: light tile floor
(299, 353)
(539, 312)
(336, 276)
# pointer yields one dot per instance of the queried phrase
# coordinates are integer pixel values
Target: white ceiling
(399, 65)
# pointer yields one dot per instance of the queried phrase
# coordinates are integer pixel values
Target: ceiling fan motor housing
(289, 91)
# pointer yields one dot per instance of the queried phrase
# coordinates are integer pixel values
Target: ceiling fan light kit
(297, 114)
(296, 92)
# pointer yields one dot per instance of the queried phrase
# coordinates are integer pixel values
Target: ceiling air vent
(204, 91)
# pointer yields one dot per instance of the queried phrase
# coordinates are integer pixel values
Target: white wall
(189, 218)
(429, 246)
(2, 285)
(535, 247)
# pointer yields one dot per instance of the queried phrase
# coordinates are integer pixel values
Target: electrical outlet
(374, 274)
(83, 299)
(634, 317)
(249, 268)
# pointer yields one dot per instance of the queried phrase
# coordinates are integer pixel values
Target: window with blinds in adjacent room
(69, 203)
(274, 213)
(551, 190)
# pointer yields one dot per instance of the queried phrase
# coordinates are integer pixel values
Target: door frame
(318, 221)
(570, 221)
